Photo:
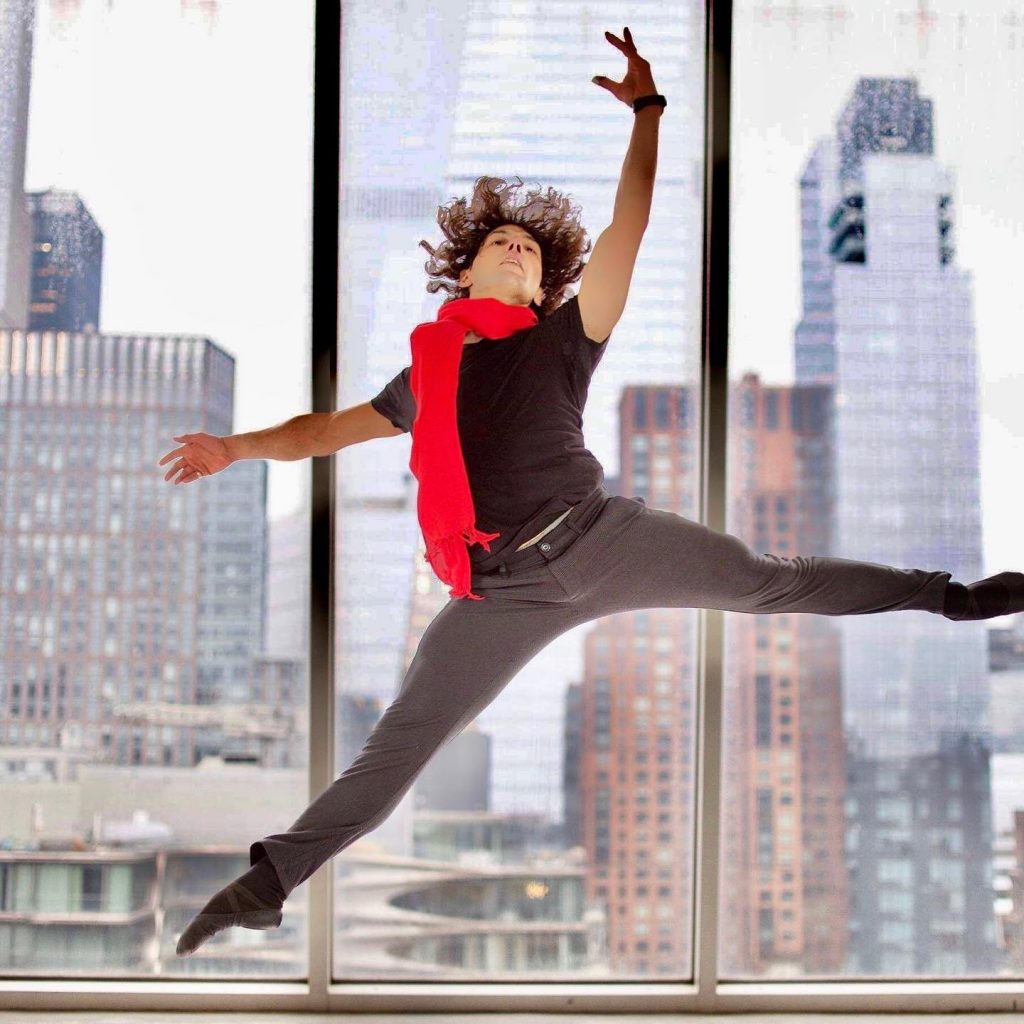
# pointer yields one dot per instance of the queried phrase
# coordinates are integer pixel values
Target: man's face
(507, 267)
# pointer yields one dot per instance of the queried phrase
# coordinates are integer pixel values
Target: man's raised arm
(609, 271)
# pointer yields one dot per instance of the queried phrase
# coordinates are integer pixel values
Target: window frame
(707, 993)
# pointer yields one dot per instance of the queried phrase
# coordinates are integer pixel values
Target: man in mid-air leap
(494, 399)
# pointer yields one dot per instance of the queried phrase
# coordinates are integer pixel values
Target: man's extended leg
(638, 557)
(466, 656)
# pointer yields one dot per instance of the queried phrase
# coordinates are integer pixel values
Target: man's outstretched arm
(607, 276)
(301, 437)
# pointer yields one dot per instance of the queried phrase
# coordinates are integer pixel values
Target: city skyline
(76, 142)
(901, 190)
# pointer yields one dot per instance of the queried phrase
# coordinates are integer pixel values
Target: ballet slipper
(232, 906)
(1002, 594)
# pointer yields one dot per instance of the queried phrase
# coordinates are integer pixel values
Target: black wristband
(647, 101)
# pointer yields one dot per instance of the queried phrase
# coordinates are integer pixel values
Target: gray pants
(611, 554)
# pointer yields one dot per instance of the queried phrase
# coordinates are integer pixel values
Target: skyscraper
(783, 763)
(632, 793)
(887, 322)
(124, 602)
(391, 186)
(919, 848)
(67, 263)
(288, 586)
(888, 326)
(16, 24)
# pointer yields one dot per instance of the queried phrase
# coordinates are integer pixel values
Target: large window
(153, 690)
(528, 849)
(872, 777)
(848, 787)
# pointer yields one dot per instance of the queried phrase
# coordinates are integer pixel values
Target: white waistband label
(546, 529)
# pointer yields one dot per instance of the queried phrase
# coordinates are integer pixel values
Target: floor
(123, 1017)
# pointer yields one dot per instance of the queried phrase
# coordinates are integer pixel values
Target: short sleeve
(581, 351)
(396, 401)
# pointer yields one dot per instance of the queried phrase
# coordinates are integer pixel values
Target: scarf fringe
(475, 536)
(450, 559)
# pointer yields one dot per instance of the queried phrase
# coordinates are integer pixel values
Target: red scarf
(444, 502)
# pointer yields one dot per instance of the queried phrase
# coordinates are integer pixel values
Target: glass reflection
(530, 847)
(145, 692)
(862, 812)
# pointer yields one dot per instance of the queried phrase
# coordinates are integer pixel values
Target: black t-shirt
(520, 406)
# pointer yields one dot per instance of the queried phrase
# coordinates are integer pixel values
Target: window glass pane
(154, 243)
(875, 410)
(552, 836)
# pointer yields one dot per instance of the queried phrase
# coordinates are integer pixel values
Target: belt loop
(572, 519)
(579, 512)
(585, 511)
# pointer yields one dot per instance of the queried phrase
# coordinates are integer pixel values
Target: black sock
(991, 596)
(987, 599)
(955, 601)
(261, 880)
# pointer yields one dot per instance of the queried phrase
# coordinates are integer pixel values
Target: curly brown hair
(551, 218)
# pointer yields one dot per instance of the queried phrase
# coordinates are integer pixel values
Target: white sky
(191, 148)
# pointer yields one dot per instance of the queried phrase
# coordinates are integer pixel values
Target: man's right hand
(200, 455)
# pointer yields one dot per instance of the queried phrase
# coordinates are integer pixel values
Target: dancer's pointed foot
(252, 901)
(1002, 594)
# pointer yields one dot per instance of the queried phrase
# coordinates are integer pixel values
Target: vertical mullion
(713, 480)
(323, 383)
